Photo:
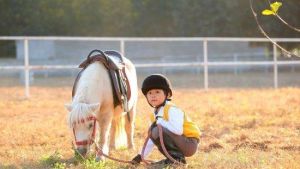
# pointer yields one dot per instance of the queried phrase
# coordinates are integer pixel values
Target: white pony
(93, 104)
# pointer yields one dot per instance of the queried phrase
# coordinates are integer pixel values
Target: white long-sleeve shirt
(174, 124)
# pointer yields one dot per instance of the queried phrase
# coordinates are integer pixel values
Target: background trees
(231, 18)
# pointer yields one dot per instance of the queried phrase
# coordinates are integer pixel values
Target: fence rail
(122, 42)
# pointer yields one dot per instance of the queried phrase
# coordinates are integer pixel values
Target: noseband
(91, 138)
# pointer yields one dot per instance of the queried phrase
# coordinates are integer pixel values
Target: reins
(147, 162)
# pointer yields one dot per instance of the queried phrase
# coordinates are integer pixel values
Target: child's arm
(175, 122)
(149, 147)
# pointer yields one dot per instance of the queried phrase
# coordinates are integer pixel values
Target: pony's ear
(93, 107)
(69, 107)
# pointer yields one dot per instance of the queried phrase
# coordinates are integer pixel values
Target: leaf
(268, 12)
(275, 6)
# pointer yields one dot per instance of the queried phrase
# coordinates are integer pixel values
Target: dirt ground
(249, 128)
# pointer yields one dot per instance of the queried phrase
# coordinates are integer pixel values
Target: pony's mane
(80, 112)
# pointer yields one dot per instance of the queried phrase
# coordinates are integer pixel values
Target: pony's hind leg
(112, 135)
(129, 127)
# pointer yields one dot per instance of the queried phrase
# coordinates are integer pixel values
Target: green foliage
(78, 157)
(91, 163)
(7, 49)
(51, 160)
(145, 18)
(59, 165)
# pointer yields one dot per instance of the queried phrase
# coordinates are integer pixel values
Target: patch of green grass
(51, 160)
(122, 148)
(59, 165)
(78, 157)
(93, 164)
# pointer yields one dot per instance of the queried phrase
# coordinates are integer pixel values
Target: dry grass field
(251, 128)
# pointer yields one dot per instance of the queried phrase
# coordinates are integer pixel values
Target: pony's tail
(120, 133)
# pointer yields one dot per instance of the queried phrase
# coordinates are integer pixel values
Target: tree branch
(289, 54)
(283, 21)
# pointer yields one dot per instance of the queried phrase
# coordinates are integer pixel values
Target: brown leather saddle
(115, 65)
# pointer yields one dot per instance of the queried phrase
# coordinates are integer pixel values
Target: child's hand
(137, 159)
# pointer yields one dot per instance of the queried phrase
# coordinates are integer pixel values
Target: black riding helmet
(157, 81)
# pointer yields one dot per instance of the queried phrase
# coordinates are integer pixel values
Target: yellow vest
(190, 129)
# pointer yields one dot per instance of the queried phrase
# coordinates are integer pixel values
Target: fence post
(26, 68)
(235, 59)
(275, 67)
(205, 64)
(122, 47)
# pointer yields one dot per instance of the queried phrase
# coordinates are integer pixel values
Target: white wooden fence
(122, 41)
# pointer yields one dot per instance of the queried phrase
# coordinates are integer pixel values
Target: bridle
(91, 138)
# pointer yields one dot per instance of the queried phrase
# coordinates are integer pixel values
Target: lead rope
(100, 152)
(147, 162)
(164, 148)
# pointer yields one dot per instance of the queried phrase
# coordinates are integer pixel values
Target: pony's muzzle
(82, 151)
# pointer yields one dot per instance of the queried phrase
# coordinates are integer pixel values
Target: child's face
(156, 97)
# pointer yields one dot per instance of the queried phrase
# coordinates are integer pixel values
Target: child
(180, 135)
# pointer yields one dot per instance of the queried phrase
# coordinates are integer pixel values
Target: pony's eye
(90, 125)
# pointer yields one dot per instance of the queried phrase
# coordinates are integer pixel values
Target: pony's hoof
(99, 158)
(112, 147)
(131, 147)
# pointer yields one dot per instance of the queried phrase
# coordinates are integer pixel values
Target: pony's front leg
(105, 125)
(129, 127)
